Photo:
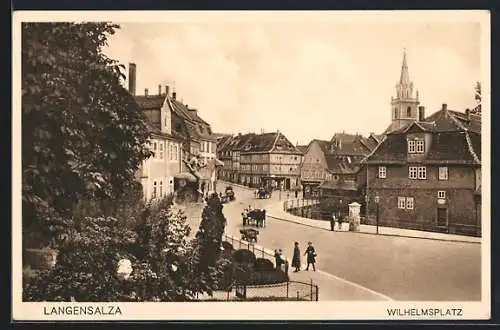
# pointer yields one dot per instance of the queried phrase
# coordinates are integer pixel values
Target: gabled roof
(351, 144)
(241, 140)
(269, 142)
(197, 128)
(456, 140)
(150, 102)
(302, 148)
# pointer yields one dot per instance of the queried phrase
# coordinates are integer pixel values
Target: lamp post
(377, 202)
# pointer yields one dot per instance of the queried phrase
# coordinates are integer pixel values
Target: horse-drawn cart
(249, 234)
(255, 217)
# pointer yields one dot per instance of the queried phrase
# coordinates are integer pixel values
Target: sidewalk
(330, 286)
(276, 211)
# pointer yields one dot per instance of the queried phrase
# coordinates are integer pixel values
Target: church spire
(405, 76)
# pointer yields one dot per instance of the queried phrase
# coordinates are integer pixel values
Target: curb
(361, 232)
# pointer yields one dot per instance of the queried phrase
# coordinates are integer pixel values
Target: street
(398, 267)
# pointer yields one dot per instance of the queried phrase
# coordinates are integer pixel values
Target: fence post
(297, 295)
(253, 249)
(311, 289)
(287, 286)
(317, 293)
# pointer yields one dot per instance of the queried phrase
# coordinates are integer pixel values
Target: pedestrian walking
(340, 220)
(311, 256)
(277, 259)
(332, 222)
(296, 257)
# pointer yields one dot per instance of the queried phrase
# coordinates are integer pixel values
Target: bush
(266, 277)
(244, 257)
(262, 264)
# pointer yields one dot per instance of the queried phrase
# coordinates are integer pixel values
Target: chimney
(167, 90)
(421, 113)
(145, 92)
(467, 113)
(159, 89)
(132, 68)
(174, 95)
(444, 107)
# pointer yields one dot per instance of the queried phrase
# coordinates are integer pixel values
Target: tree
(83, 136)
(207, 266)
(162, 270)
(477, 92)
(86, 265)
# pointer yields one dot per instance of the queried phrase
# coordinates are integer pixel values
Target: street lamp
(377, 202)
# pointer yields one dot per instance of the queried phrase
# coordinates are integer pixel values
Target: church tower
(405, 105)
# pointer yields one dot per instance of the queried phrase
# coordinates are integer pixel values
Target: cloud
(307, 80)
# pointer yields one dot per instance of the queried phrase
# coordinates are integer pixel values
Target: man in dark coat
(296, 257)
(311, 256)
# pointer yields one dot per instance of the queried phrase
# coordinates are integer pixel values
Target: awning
(185, 176)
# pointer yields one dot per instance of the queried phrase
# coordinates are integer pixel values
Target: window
(176, 151)
(412, 172)
(420, 146)
(160, 153)
(155, 148)
(411, 146)
(382, 172)
(401, 202)
(422, 172)
(409, 203)
(154, 190)
(443, 173)
(441, 194)
(161, 189)
(408, 112)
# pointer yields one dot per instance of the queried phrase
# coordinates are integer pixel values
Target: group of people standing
(310, 252)
(337, 217)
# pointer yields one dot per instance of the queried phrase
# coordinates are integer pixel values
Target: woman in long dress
(296, 257)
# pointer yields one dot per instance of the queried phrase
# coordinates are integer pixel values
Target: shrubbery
(245, 268)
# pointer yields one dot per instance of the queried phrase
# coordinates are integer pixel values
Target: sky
(308, 79)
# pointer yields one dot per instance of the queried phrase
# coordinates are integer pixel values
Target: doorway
(442, 217)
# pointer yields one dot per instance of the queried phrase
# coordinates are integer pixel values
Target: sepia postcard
(280, 165)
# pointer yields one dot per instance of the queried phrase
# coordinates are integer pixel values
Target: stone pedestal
(354, 218)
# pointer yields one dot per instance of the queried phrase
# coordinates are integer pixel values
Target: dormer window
(420, 146)
(416, 146)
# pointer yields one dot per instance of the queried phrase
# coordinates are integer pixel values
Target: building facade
(428, 174)
(180, 133)
(333, 161)
(270, 160)
(224, 155)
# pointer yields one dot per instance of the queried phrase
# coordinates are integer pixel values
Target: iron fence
(257, 250)
(289, 290)
(310, 209)
(450, 228)
(298, 203)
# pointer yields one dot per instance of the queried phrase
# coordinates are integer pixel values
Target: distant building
(427, 175)
(236, 146)
(271, 160)
(224, 155)
(405, 106)
(333, 161)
